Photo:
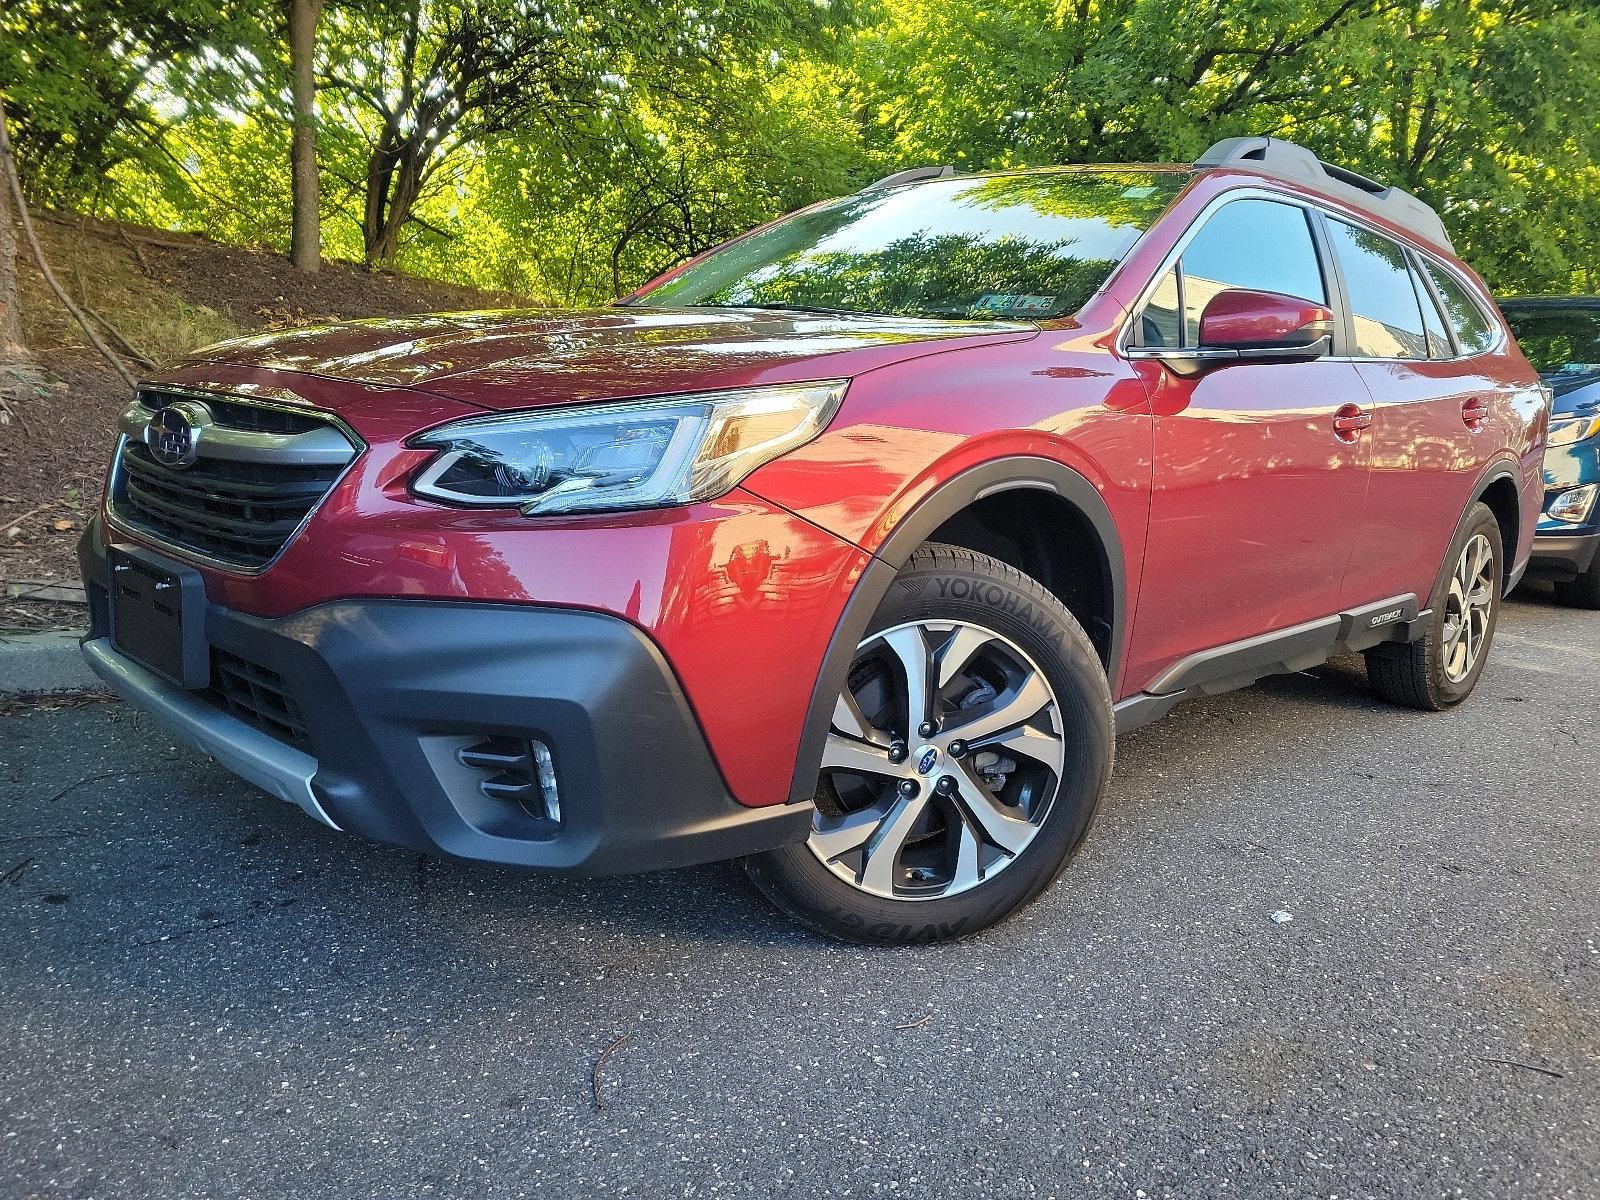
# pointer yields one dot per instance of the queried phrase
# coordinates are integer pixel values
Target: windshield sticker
(1137, 193)
(997, 304)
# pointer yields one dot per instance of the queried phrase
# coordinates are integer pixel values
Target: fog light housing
(518, 770)
(1572, 507)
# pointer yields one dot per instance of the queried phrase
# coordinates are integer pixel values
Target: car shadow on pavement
(167, 847)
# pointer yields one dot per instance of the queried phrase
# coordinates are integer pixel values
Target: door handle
(1350, 421)
(1475, 412)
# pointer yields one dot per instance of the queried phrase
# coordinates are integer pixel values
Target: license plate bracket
(158, 616)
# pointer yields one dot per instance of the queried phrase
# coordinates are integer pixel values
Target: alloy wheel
(943, 758)
(1468, 608)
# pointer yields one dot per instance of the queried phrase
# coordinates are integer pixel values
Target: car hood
(505, 360)
(1576, 392)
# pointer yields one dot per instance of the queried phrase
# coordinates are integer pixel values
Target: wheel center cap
(927, 760)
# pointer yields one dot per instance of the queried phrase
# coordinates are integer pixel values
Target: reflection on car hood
(502, 360)
(1575, 391)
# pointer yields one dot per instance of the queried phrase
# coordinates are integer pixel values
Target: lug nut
(909, 788)
(946, 785)
(898, 752)
(957, 749)
(927, 729)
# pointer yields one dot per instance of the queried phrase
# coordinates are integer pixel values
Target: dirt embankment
(166, 293)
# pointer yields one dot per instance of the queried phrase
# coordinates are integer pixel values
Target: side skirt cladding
(1284, 651)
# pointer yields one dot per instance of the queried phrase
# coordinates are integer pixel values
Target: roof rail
(912, 176)
(1284, 160)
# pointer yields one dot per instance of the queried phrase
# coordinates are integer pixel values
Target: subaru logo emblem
(925, 763)
(173, 434)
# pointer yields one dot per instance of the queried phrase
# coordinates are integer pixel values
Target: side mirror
(1242, 325)
(1265, 324)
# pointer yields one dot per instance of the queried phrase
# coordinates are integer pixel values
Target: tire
(1582, 592)
(1431, 674)
(990, 824)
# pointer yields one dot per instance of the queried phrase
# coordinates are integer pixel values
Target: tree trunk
(11, 344)
(394, 182)
(305, 237)
(380, 176)
(11, 180)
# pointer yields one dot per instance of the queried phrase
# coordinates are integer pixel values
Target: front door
(1260, 476)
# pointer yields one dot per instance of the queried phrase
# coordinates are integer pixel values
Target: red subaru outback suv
(846, 548)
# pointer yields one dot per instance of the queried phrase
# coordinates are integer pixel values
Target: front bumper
(385, 692)
(1562, 557)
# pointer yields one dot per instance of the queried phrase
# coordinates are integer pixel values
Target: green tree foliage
(569, 149)
(1484, 107)
(91, 84)
(665, 177)
(420, 81)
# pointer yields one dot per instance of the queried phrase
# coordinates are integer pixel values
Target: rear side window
(1473, 330)
(1383, 301)
(1257, 244)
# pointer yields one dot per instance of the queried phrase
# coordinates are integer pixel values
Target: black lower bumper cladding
(388, 689)
(1563, 556)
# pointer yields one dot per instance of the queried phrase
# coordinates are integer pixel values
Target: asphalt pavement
(204, 994)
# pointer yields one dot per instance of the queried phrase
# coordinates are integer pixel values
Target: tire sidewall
(1582, 592)
(1480, 519)
(959, 585)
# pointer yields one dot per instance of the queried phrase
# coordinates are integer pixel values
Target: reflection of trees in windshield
(1008, 246)
(1131, 198)
(945, 275)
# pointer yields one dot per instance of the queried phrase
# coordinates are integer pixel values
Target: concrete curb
(44, 662)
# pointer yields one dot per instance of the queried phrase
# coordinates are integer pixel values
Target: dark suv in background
(1561, 337)
(846, 548)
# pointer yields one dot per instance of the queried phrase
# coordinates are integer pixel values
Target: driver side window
(1261, 245)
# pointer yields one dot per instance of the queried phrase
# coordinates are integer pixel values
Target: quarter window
(1473, 330)
(1162, 324)
(1438, 339)
(1261, 245)
(1383, 302)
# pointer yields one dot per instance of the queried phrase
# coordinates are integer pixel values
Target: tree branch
(8, 167)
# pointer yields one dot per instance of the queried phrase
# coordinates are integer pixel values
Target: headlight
(1564, 431)
(647, 454)
(1573, 507)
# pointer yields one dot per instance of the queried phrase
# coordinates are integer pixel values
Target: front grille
(258, 697)
(257, 475)
(235, 414)
(238, 512)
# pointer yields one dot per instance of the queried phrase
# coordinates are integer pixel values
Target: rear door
(1431, 403)
(1257, 495)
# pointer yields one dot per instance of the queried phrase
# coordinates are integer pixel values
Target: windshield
(1558, 340)
(1012, 247)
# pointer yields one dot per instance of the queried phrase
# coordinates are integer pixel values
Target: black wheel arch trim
(915, 528)
(1511, 571)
